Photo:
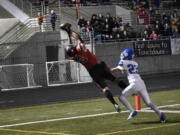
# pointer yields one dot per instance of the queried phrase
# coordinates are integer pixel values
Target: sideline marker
(138, 102)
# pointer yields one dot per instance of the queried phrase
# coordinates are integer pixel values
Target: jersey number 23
(133, 69)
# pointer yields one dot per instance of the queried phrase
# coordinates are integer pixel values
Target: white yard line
(60, 119)
(86, 116)
(166, 111)
(164, 106)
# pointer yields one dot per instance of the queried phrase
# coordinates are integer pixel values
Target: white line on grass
(166, 111)
(84, 116)
(164, 106)
(60, 119)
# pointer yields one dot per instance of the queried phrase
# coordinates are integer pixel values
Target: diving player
(97, 70)
(136, 84)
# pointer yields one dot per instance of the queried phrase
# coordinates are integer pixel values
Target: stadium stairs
(23, 30)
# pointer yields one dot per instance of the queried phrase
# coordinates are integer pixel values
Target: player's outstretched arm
(77, 37)
(114, 69)
(117, 69)
(67, 27)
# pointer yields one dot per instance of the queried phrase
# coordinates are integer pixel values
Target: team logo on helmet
(127, 54)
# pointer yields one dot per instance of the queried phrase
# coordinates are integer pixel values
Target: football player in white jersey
(136, 84)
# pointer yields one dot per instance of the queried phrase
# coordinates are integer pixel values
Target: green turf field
(92, 117)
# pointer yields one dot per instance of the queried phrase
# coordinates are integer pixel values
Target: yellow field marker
(35, 132)
(141, 129)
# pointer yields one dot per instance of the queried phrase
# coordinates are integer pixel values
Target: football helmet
(127, 54)
(71, 50)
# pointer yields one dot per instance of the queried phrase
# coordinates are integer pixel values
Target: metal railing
(23, 31)
(24, 5)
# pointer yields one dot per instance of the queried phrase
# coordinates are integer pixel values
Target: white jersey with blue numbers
(131, 68)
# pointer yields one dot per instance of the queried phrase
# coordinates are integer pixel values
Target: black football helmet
(71, 50)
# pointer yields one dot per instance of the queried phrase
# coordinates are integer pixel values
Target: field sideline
(92, 117)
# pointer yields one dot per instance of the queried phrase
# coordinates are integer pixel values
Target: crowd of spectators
(166, 26)
(41, 20)
(104, 28)
(157, 3)
(44, 14)
(157, 24)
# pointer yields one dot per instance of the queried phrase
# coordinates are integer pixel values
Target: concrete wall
(68, 14)
(89, 10)
(124, 14)
(34, 52)
(110, 53)
(15, 11)
(4, 13)
(6, 24)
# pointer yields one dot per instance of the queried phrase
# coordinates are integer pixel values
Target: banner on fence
(175, 46)
(152, 48)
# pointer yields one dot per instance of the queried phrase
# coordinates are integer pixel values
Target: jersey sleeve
(120, 63)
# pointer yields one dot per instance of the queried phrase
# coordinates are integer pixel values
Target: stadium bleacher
(37, 79)
(27, 32)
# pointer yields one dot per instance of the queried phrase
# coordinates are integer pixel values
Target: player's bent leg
(97, 76)
(146, 99)
(109, 96)
(125, 102)
(129, 90)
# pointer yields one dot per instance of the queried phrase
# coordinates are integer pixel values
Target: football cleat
(66, 27)
(163, 118)
(132, 114)
(118, 109)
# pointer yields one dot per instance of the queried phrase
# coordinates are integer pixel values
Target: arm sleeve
(120, 63)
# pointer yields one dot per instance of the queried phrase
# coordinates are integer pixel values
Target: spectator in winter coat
(53, 19)
(101, 19)
(93, 20)
(82, 23)
(89, 29)
(40, 20)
